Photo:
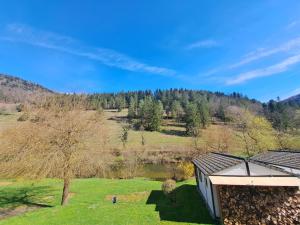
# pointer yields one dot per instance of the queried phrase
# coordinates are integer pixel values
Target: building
(223, 179)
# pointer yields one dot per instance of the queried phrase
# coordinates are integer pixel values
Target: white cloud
(26, 34)
(202, 44)
(268, 71)
(262, 53)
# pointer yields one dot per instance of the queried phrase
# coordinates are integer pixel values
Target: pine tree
(132, 109)
(177, 110)
(192, 119)
(150, 114)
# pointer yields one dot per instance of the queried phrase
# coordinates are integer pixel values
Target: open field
(140, 201)
(172, 136)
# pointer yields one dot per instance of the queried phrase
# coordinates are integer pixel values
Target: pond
(157, 171)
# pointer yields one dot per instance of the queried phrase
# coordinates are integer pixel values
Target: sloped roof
(284, 158)
(214, 162)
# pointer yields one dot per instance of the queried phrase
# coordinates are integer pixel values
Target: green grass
(167, 139)
(140, 202)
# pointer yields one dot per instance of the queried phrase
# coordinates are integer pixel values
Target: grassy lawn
(140, 201)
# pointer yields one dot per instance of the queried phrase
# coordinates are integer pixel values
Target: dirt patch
(5, 213)
(5, 183)
(133, 197)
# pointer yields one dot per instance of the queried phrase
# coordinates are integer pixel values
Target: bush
(20, 108)
(184, 171)
(168, 186)
(23, 117)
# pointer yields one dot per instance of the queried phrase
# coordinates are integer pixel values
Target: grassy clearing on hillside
(140, 202)
(171, 137)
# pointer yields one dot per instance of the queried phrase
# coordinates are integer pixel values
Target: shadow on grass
(180, 133)
(119, 119)
(188, 207)
(28, 196)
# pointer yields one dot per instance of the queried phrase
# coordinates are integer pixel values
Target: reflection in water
(152, 171)
(157, 171)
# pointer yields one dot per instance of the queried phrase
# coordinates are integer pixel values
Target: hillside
(294, 100)
(17, 90)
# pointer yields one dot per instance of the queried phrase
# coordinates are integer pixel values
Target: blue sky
(252, 47)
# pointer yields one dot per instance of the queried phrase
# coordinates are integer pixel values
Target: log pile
(259, 205)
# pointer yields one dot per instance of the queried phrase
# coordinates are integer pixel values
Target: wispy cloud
(291, 93)
(202, 44)
(292, 24)
(264, 72)
(25, 34)
(262, 53)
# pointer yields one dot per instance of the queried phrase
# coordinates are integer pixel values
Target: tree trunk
(65, 194)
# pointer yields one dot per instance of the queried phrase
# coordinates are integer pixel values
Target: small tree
(124, 135)
(143, 139)
(52, 143)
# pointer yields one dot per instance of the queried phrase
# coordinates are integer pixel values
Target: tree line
(195, 108)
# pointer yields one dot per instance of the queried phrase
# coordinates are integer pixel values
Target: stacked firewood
(259, 205)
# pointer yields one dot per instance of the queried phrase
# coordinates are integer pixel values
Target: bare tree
(53, 142)
(220, 139)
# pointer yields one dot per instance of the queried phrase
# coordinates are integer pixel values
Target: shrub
(20, 108)
(185, 170)
(23, 117)
(168, 186)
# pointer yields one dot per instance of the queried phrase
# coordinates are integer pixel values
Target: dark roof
(285, 158)
(214, 162)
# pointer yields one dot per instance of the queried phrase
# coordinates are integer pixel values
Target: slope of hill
(17, 90)
(294, 100)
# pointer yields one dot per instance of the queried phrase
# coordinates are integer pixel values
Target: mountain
(293, 101)
(17, 90)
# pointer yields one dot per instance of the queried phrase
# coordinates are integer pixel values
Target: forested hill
(17, 90)
(170, 97)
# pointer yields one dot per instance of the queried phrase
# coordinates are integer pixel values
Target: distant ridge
(294, 100)
(16, 90)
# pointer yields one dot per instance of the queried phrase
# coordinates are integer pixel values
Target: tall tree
(192, 120)
(177, 111)
(133, 108)
(204, 113)
(256, 133)
(150, 114)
